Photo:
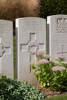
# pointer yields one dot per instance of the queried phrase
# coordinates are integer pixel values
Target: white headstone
(57, 35)
(31, 37)
(6, 48)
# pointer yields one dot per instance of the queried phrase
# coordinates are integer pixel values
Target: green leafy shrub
(13, 90)
(52, 7)
(51, 74)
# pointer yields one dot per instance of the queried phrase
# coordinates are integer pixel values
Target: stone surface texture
(6, 48)
(31, 38)
(57, 35)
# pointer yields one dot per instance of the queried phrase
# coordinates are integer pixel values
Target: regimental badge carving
(61, 25)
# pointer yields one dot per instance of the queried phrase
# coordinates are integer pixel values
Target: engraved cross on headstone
(31, 46)
(3, 49)
(62, 52)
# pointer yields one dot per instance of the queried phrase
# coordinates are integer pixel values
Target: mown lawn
(61, 97)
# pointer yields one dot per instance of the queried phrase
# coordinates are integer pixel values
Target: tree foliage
(52, 7)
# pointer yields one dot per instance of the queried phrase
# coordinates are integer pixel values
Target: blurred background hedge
(12, 9)
(52, 7)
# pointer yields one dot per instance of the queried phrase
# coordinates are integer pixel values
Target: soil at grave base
(48, 92)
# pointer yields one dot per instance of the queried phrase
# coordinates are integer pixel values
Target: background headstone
(6, 48)
(57, 35)
(31, 37)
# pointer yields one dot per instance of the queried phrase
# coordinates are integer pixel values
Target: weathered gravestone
(6, 48)
(57, 35)
(31, 37)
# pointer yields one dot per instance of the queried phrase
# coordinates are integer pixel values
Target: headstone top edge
(30, 18)
(56, 15)
(5, 20)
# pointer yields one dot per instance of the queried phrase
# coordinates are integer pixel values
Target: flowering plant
(51, 74)
(42, 69)
(59, 78)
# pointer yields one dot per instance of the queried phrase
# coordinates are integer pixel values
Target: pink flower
(38, 53)
(61, 57)
(46, 56)
(58, 68)
(43, 61)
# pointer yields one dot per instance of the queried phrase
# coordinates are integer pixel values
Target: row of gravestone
(31, 37)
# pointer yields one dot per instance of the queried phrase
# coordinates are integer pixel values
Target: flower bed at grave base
(14, 90)
(50, 74)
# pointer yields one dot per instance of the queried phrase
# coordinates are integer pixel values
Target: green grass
(61, 97)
